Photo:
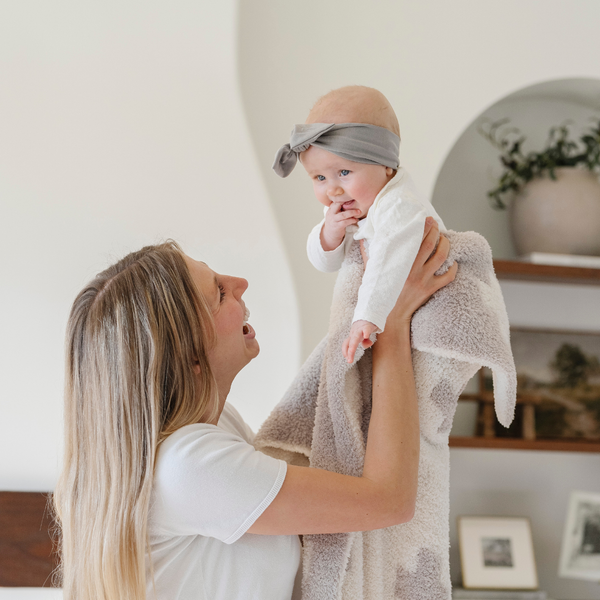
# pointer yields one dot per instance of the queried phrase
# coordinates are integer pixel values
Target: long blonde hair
(133, 337)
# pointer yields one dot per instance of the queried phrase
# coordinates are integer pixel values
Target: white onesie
(393, 231)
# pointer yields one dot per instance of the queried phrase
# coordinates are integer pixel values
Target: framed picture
(558, 385)
(496, 553)
(580, 551)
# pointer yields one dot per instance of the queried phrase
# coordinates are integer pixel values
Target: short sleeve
(211, 482)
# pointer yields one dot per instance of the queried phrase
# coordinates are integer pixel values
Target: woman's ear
(196, 367)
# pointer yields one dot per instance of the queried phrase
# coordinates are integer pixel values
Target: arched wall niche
(472, 165)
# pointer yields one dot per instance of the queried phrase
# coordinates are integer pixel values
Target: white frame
(572, 563)
(521, 575)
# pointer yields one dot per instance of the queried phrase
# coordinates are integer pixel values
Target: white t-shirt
(210, 486)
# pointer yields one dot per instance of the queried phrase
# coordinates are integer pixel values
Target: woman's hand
(422, 283)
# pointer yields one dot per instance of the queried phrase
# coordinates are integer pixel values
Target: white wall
(441, 64)
(120, 126)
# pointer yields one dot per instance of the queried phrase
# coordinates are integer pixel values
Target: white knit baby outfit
(393, 232)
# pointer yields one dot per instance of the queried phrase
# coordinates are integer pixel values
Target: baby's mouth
(347, 205)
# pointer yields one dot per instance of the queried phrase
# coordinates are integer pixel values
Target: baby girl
(349, 146)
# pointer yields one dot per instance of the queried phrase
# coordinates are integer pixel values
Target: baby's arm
(325, 245)
(392, 251)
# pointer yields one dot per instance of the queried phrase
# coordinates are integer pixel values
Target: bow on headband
(358, 142)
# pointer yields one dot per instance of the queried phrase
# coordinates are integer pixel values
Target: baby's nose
(335, 191)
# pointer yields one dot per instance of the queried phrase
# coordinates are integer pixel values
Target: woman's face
(236, 343)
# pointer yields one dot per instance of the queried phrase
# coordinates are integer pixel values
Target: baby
(349, 146)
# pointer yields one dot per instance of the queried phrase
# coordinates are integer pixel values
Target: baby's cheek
(323, 199)
(368, 194)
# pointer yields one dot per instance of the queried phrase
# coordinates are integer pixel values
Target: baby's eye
(222, 293)
(344, 172)
(320, 178)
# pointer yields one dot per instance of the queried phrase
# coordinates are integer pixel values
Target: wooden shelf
(525, 271)
(517, 444)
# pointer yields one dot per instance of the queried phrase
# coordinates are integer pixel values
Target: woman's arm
(319, 501)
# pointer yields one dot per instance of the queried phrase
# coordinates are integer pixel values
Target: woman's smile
(247, 329)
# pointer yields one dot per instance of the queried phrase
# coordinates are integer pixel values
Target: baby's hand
(360, 332)
(334, 228)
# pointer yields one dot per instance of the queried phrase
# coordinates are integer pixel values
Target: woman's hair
(133, 338)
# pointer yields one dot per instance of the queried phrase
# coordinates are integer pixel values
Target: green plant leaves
(519, 168)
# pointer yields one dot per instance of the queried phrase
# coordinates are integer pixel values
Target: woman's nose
(241, 284)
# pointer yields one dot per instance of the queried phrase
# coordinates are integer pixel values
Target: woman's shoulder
(197, 439)
(230, 426)
(200, 447)
(209, 478)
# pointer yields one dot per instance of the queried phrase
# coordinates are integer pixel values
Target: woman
(156, 462)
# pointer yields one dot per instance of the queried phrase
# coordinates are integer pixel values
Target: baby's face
(353, 185)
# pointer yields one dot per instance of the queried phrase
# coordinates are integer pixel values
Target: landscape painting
(559, 373)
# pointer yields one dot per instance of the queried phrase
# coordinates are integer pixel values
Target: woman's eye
(320, 178)
(344, 172)
(222, 293)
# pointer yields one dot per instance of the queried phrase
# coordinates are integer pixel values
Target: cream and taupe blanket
(322, 421)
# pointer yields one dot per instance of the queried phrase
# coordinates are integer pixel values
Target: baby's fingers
(334, 208)
(345, 347)
(346, 214)
(347, 222)
(353, 341)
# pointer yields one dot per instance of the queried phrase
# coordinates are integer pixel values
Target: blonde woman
(162, 494)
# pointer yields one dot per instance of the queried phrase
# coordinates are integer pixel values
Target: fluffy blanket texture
(323, 418)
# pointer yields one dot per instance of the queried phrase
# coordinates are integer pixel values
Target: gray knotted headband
(358, 142)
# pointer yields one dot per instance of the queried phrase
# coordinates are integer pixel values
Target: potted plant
(555, 193)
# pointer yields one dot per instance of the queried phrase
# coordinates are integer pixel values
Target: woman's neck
(223, 389)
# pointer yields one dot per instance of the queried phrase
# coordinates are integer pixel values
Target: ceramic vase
(560, 216)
